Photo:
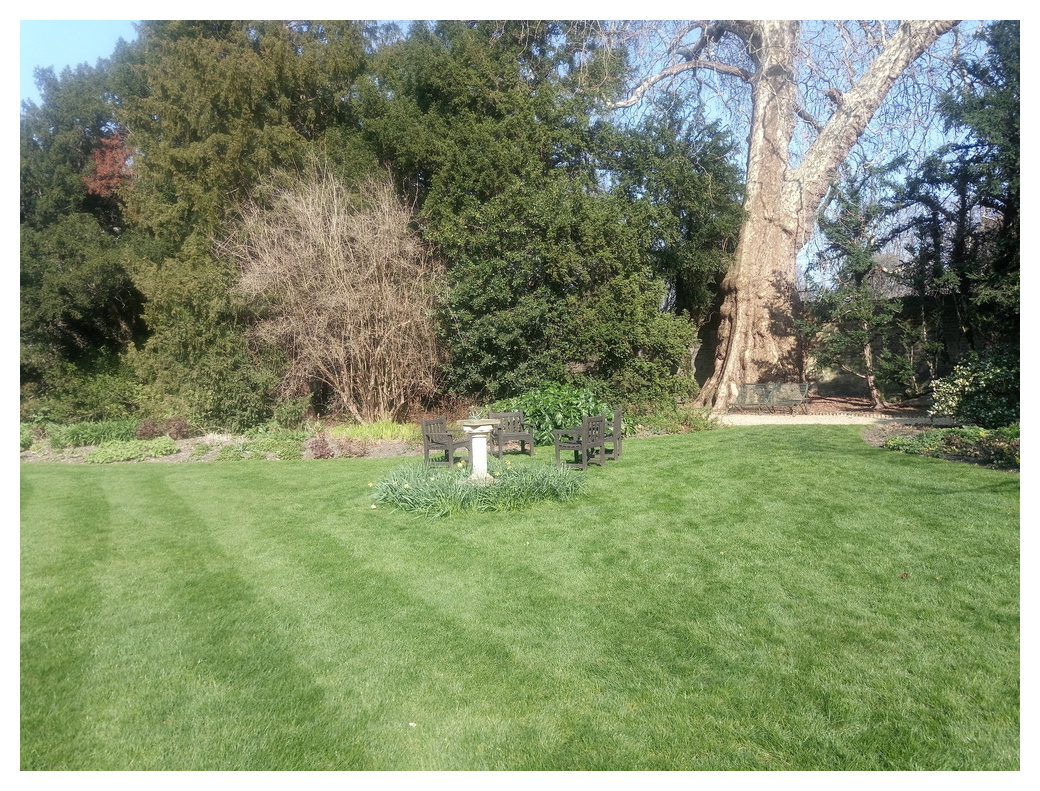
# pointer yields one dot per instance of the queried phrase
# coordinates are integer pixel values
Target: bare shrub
(345, 288)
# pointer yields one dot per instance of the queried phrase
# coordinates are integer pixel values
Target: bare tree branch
(671, 71)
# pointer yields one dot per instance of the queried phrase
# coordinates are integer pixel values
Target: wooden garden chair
(512, 428)
(437, 439)
(612, 437)
(585, 441)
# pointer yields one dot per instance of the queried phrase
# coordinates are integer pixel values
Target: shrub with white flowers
(983, 390)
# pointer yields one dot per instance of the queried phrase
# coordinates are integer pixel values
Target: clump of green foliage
(380, 430)
(92, 433)
(990, 448)
(283, 446)
(667, 418)
(63, 392)
(269, 432)
(446, 491)
(984, 389)
(25, 436)
(234, 452)
(132, 450)
(264, 442)
(291, 413)
(554, 406)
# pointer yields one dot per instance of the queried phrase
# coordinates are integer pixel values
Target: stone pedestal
(480, 430)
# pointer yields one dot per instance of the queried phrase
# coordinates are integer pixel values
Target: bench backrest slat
(773, 394)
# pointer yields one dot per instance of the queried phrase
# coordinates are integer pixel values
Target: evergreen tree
(551, 273)
(681, 166)
(213, 107)
(851, 320)
(966, 199)
(79, 307)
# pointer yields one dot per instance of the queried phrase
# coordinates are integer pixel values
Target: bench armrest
(438, 436)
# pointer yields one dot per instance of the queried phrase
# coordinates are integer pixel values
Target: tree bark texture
(757, 340)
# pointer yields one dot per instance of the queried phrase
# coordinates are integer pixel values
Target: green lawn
(748, 598)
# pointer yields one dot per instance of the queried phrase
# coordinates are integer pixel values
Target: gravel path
(860, 418)
(841, 411)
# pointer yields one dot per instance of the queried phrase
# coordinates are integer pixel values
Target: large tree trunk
(757, 339)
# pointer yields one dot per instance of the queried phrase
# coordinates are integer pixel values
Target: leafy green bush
(445, 491)
(214, 381)
(270, 431)
(989, 447)
(132, 450)
(554, 406)
(25, 436)
(983, 390)
(92, 433)
(100, 390)
(292, 413)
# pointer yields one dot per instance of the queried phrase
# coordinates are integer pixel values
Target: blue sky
(61, 43)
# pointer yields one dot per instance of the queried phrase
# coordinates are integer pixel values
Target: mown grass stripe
(66, 539)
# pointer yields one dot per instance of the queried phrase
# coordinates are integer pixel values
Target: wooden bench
(587, 441)
(437, 440)
(771, 397)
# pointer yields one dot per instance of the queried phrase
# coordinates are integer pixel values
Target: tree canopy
(579, 245)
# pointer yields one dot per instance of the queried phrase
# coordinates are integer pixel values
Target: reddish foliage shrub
(321, 448)
(178, 428)
(111, 167)
(147, 430)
